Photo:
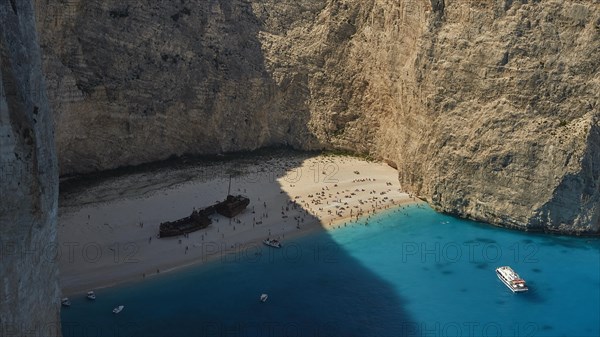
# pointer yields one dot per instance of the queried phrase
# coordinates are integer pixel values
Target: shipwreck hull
(232, 206)
(196, 221)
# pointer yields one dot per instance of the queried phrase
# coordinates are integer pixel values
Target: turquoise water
(409, 272)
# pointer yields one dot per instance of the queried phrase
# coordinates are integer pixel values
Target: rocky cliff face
(510, 98)
(142, 81)
(29, 293)
(488, 108)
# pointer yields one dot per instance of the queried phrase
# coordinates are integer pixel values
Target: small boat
(263, 297)
(118, 309)
(272, 243)
(91, 295)
(65, 302)
(511, 279)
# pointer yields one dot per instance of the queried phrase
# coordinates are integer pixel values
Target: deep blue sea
(409, 272)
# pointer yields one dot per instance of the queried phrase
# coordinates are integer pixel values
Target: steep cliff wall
(511, 101)
(29, 293)
(489, 107)
(141, 81)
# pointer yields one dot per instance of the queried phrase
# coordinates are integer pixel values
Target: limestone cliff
(489, 108)
(29, 293)
(143, 80)
(510, 96)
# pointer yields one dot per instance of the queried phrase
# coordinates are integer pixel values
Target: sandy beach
(108, 232)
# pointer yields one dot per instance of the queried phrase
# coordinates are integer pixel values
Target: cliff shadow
(143, 82)
(315, 286)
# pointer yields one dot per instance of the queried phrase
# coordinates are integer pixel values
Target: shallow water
(409, 272)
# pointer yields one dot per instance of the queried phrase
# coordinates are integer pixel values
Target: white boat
(91, 295)
(263, 297)
(511, 279)
(118, 309)
(272, 243)
(65, 302)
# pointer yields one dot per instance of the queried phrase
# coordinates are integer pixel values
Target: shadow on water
(315, 287)
(482, 265)
(568, 243)
(534, 294)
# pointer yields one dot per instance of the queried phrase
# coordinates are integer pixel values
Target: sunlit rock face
(510, 103)
(488, 108)
(29, 290)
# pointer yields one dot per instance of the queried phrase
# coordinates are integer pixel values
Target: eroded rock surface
(511, 103)
(29, 291)
(489, 108)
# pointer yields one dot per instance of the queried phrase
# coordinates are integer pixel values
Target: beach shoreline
(113, 241)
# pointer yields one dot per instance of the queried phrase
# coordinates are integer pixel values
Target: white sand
(102, 242)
